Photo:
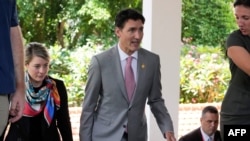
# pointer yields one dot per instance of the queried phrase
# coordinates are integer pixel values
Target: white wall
(162, 35)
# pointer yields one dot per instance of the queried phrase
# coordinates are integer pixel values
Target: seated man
(208, 129)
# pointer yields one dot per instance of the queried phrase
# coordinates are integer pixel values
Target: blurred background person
(208, 130)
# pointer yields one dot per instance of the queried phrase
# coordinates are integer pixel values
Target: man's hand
(17, 105)
(18, 97)
(170, 136)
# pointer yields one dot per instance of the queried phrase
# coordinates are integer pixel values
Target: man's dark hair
(210, 109)
(242, 2)
(126, 14)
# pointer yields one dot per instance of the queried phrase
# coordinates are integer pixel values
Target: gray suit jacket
(106, 110)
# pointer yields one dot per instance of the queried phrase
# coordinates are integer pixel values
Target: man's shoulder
(193, 135)
(147, 52)
(107, 52)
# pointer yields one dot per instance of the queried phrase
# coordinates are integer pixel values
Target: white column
(162, 35)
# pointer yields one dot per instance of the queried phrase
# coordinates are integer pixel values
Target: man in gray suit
(108, 112)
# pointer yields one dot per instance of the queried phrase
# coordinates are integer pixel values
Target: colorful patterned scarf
(44, 100)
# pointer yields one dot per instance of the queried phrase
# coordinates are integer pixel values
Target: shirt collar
(124, 56)
(205, 136)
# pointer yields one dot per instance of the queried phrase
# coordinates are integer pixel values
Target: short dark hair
(242, 2)
(126, 14)
(210, 109)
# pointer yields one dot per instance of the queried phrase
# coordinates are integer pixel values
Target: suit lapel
(140, 74)
(119, 73)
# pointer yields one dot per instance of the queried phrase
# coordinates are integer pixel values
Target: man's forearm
(18, 55)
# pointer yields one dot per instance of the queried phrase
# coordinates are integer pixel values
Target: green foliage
(75, 30)
(70, 23)
(204, 74)
(207, 22)
(72, 67)
(38, 19)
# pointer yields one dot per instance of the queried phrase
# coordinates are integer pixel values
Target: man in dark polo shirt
(12, 87)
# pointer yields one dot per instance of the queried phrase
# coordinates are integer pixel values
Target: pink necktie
(129, 78)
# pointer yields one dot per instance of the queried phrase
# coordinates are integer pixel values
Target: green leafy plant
(207, 22)
(204, 74)
(71, 67)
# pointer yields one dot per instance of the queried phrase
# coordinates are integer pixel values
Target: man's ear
(117, 32)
